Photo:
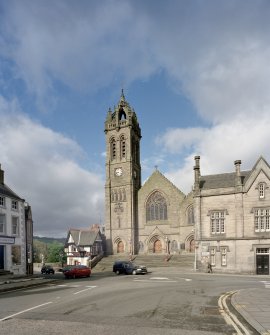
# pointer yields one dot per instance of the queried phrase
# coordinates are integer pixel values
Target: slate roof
(6, 191)
(84, 237)
(223, 180)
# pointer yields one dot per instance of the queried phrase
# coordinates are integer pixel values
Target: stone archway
(120, 247)
(157, 247)
(190, 244)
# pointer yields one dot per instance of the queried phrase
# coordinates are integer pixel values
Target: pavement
(252, 304)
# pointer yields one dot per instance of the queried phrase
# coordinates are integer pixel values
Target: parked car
(75, 271)
(127, 267)
(47, 270)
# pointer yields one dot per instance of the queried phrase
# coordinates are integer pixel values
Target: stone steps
(150, 261)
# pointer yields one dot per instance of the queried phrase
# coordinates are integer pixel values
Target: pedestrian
(209, 268)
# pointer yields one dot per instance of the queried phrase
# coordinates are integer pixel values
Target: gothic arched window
(113, 149)
(156, 207)
(123, 146)
(190, 215)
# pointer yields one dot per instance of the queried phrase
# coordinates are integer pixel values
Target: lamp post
(61, 255)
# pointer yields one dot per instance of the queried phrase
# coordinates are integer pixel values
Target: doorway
(262, 261)
(2, 257)
(157, 247)
(120, 247)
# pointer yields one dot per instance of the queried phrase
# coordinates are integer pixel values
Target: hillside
(49, 240)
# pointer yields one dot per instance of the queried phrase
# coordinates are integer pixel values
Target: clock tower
(123, 178)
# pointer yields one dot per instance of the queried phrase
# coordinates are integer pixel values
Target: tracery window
(156, 207)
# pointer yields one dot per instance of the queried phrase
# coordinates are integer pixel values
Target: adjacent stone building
(16, 233)
(232, 219)
(154, 218)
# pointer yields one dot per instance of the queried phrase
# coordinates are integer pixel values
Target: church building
(153, 218)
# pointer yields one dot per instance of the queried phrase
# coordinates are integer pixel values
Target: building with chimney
(232, 219)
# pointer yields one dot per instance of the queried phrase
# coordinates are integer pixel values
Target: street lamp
(61, 255)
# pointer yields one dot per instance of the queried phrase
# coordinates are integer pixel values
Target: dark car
(127, 267)
(47, 270)
(76, 271)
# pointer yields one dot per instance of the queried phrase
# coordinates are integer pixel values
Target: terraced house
(16, 233)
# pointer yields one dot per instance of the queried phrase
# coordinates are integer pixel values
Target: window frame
(14, 205)
(223, 253)
(217, 222)
(3, 224)
(16, 233)
(261, 188)
(2, 201)
(262, 219)
(156, 207)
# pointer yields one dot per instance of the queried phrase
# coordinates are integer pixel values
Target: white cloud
(177, 139)
(40, 165)
(220, 146)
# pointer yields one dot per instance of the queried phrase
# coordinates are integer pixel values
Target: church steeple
(123, 177)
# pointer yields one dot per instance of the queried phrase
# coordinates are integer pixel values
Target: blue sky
(196, 72)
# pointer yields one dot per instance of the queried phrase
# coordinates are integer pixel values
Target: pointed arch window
(113, 149)
(190, 215)
(156, 207)
(123, 146)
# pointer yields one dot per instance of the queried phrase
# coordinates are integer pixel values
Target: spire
(122, 98)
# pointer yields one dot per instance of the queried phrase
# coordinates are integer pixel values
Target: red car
(75, 271)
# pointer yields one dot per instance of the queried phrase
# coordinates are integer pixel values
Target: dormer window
(261, 190)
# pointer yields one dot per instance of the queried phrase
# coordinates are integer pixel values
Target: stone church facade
(154, 218)
(228, 214)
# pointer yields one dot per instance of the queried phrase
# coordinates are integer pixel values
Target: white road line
(154, 281)
(26, 310)
(86, 289)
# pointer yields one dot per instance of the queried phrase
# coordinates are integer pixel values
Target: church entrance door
(157, 247)
(120, 247)
(192, 246)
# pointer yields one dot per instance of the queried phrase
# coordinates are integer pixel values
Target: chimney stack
(238, 181)
(197, 173)
(1, 175)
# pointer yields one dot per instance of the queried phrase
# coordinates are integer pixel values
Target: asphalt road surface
(166, 301)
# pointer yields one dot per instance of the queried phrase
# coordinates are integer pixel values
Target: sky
(197, 74)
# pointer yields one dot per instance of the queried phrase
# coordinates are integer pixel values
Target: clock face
(118, 172)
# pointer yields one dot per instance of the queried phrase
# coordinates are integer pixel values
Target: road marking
(266, 283)
(229, 317)
(26, 310)
(86, 289)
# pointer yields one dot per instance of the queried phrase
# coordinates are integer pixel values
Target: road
(165, 301)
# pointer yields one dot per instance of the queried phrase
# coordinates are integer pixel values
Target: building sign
(7, 240)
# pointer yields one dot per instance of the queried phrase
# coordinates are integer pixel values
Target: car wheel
(134, 272)
(117, 272)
